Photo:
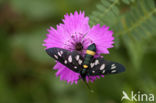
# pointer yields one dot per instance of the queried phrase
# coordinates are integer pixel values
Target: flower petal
(66, 74)
(93, 78)
(76, 23)
(56, 37)
(102, 37)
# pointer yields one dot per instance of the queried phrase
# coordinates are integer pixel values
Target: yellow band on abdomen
(90, 52)
(85, 66)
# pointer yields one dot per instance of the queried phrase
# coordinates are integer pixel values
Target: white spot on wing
(77, 57)
(113, 66)
(113, 71)
(75, 67)
(96, 62)
(70, 58)
(102, 67)
(80, 61)
(59, 54)
(56, 56)
(91, 65)
(93, 71)
(65, 62)
(103, 71)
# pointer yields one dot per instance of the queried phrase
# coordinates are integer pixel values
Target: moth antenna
(84, 37)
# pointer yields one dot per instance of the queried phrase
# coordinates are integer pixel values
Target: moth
(87, 65)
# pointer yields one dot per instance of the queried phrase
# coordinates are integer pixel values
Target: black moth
(87, 65)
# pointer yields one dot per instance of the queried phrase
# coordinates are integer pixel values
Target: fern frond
(137, 22)
(140, 21)
(134, 25)
(128, 1)
(138, 25)
(106, 13)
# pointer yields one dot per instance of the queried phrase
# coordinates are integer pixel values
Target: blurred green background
(26, 74)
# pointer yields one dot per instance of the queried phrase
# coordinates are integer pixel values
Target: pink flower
(76, 34)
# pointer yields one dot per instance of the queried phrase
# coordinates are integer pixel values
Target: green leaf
(128, 1)
(136, 51)
(139, 22)
(106, 14)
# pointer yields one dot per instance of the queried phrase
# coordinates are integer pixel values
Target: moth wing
(99, 66)
(69, 59)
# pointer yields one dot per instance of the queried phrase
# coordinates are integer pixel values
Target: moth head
(92, 47)
(78, 46)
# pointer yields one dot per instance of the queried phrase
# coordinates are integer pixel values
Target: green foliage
(134, 23)
(107, 13)
(134, 18)
(139, 21)
(128, 1)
